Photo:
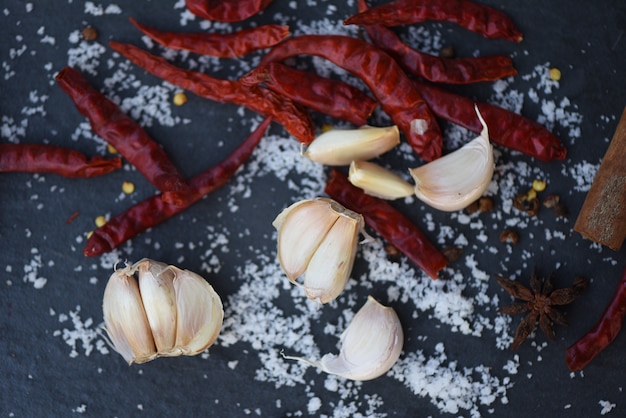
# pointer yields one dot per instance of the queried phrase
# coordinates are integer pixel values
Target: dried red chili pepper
(226, 10)
(580, 354)
(506, 128)
(330, 97)
(391, 224)
(227, 45)
(124, 134)
(437, 69)
(479, 18)
(258, 99)
(154, 210)
(395, 92)
(43, 158)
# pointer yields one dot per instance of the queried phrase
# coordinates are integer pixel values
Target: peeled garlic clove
(301, 228)
(370, 345)
(159, 302)
(457, 179)
(378, 181)
(330, 267)
(199, 312)
(125, 319)
(342, 146)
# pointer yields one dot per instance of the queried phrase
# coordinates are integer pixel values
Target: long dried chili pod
(506, 128)
(482, 19)
(222, 45)
(226, 10)
(154, 210)
(124, 134)
(393, 89)
(258, 99)
(463, 70)
(44, 158)
(580, 354)
(387, 221)
(325, 95)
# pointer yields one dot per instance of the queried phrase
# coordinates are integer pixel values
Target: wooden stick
(602, 217)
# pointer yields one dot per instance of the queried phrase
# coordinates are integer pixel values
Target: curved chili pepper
(506, 128)
(124, 134)
(391, 224)
(227, 45)
(226, 10)
(479, 18)
(261, 100)
(436, 69)
(396, 94)
(580, 354)
(330, 97)
(43, 158)
(154, 210)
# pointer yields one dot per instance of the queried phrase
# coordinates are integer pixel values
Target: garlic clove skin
(301, 228)
(329, 269)
(339, 147)
(370, 345)
(159, 302)
(125, 320)
(377, 181)
(199, 313)
(457, 179)
(318, 238)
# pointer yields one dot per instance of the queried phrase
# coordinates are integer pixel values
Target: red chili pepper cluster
(397, 76)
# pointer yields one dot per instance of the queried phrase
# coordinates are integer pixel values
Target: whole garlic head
(370, 345)
(318, 238)
(171, 312)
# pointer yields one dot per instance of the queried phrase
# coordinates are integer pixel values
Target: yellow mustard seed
(111, 149)
(555, 74)
(532, 194)
(539, 185)
(100, 221)
(128, 187)
(89, 234)
(180, 99)
(326, 127)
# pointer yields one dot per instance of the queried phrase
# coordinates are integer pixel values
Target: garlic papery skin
(370, 345)
(171, 312)
(377, 181)
(457, 179)
(159, 302)
(318, 238)
(338, 147)
(125, 320)
(301, 228)
(329, 269)
(199, 312)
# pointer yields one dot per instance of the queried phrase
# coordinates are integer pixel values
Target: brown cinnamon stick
(602, 217)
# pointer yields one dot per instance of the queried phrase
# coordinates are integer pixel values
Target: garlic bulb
(378, 181)
(171, 312)
(342, 146)
(318, 238)
(370, 345)
(457, 179)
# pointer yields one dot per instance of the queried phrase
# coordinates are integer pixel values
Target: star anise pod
(539, 301)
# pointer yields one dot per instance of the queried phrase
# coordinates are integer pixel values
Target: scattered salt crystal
(606, 407)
